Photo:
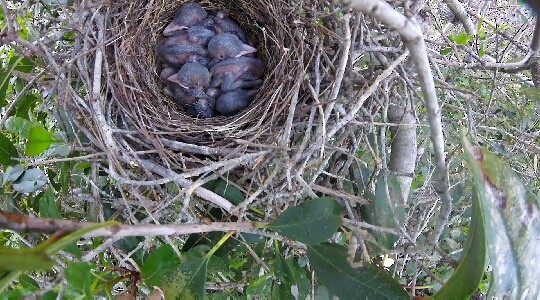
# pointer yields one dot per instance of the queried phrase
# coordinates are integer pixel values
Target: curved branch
(412, 36)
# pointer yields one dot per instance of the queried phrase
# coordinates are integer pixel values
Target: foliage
(46, 172)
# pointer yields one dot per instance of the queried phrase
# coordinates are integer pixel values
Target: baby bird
(178, 49)
(200, 35)
(192, 75)
(202, 108)
(222, 23)
(237, 72)
(233, 102)
(187, 15)
(225, 45)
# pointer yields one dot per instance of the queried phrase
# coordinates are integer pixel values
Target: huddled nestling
(208, 63)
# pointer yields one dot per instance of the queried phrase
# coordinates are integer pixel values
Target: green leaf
(47, 206)
(462, 38)
(468, 275)
(20, 126)
(7, 151)
(78, 278)
(25, 106)
(293, 278)
(260, 288)
(39, 140)
(311, 222)
(28, 282)
(512, 222)
(160, 262)
(186, 281)
(20, 260)
(51, 246)
(531, 93)
(31, 181)
(225, 190)
(445, 50)
(368, 282)
(382, 211)
(5, 75)
(24, 65)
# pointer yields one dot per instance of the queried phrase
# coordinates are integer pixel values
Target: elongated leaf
(23, 261)
(468, 275)
(5, 76)
(512, 222)
(311, 222)
(47, 205)
(225, 190)
(50, 247)
(39, 140)
(160, 262)
(368, 282)
(7, 151)
(384, 210)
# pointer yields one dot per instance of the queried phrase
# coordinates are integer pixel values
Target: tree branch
(412, 36)
(22, 223)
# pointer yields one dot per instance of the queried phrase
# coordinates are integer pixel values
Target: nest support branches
(317, 109)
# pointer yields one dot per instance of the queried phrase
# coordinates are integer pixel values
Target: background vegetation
(385, 230)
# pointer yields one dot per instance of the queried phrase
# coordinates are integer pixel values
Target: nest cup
(138, 26)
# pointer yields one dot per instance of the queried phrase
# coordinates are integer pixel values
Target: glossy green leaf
(15, 260)
(78, 277)
(160, 262)
(384, 210)
(311, 222)
(39, 140)
(7, 151)
(225, 190)
(368, 282)
(512, 222)
(31, 181)
(468, 275)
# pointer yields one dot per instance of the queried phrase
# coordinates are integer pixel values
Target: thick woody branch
(22, 223)
(412, 36)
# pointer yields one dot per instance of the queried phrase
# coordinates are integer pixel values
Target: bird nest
(137, 87)
(289, 140)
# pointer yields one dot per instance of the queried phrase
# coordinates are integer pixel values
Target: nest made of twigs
(137, 87)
